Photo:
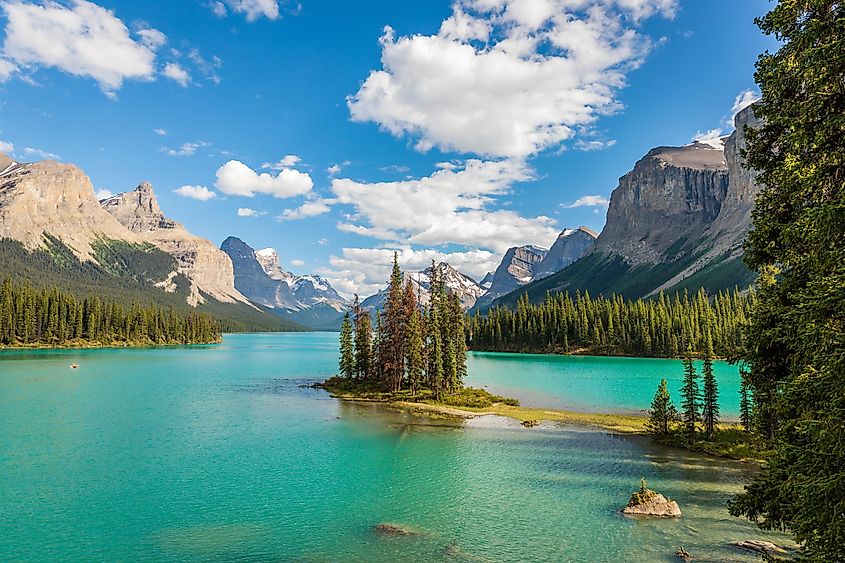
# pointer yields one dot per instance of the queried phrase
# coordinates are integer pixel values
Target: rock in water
(646, 502)
(393, 530)
(760, 546)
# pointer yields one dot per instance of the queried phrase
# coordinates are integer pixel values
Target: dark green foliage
(709, 393)
(126, 274)
(347, 350)
(423, 352)
(51, 317)
(662, 413)
(796, 339)
(744, 400)
(690, 400)
(613, 326)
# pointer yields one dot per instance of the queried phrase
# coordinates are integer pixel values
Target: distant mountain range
(676, 221)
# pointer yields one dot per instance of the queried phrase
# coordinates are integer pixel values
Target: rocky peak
(5, 163)
(486, 281)
(269, 260)
(138, 210)
(670, 197)
(571, 245)
(467, 289)
(515, 270)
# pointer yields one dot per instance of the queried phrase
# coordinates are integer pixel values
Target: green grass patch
(468, 397)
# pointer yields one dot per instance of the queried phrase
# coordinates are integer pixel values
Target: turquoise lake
(215, 453)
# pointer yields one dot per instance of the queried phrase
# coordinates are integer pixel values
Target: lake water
(216, 454)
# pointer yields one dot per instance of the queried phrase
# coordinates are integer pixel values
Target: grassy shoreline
(730, 441)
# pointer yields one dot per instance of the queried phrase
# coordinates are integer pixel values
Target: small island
(645, 502)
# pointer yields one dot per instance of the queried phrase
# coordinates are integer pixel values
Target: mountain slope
(308, 300)
(209, 269)
(676, 221)
(571, 245)
(516, 269)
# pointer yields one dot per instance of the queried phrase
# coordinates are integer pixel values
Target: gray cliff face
(208, 269)
(515, 270)
(671, 196)
(466, 288)
(571, 245)
(310, 300)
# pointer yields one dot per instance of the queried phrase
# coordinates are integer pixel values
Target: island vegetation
(612, 326)
(49, 317)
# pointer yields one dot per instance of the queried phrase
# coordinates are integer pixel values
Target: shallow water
(216, 454)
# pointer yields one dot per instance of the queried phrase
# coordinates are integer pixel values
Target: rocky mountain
(466, 288)
(571, 245)
(486, 281)
(55, 233)
(515, 270)
(207, 267)
(676, 221)
(309, 300)
(58, 200)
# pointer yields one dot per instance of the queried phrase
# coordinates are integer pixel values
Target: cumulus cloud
(187, 149)
(594, 145)
(507, 77)
(588, 201)
(248, 212)
(103, 194)
(450, 206)
(367, 270)
(80, 38)
(160, 131)
(176, 73)
(307, 209)
(200, 193)
(236, 178)
(742, 101)
(7, 147)
(287, 161)
(7, 69)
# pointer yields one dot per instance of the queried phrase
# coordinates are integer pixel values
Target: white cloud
(187, 149)
(334, 169)
(103, 194)
(248, 212)
(742, 101)
(253, 9)
(323, 241)
(307, 209)
(178, 74)
(82, 39)
(450, 206)
(593, 145)
(287, 161)
(713, 137)
(7, 147)
(367, 270)
(588, 201)
(160, 131)
(507, 77)
(236, 178)
(7, 69)
(219, 9)
(200, 193)
(297, 262)
(39, 153)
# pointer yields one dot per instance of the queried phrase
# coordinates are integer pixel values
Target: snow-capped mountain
(466, 288)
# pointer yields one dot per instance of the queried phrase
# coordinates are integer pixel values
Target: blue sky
(470, 135)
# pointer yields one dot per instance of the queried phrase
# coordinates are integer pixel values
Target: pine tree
(414, 351)
(690, 399)
(744, 400)
(363, 341)
(662, 413)
(710, 392)
(347, 349)
(392, 334)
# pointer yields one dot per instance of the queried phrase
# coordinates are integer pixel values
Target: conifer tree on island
(662, 413)
(347, 349)
(710, 393)
(796, 338)
(690, 396)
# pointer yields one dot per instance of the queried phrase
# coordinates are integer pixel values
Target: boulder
(530, 423)
(646, 502)
(760, 546)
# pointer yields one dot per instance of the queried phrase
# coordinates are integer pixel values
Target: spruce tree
(347, 349)
(662, 413)
(796, 338)
(744, 400)
(690, 397)
(710, 392)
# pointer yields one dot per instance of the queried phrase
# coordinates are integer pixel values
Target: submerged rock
(530, 423)
(683, 554)
(760, 546)
(646, 502)
(394, 530)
